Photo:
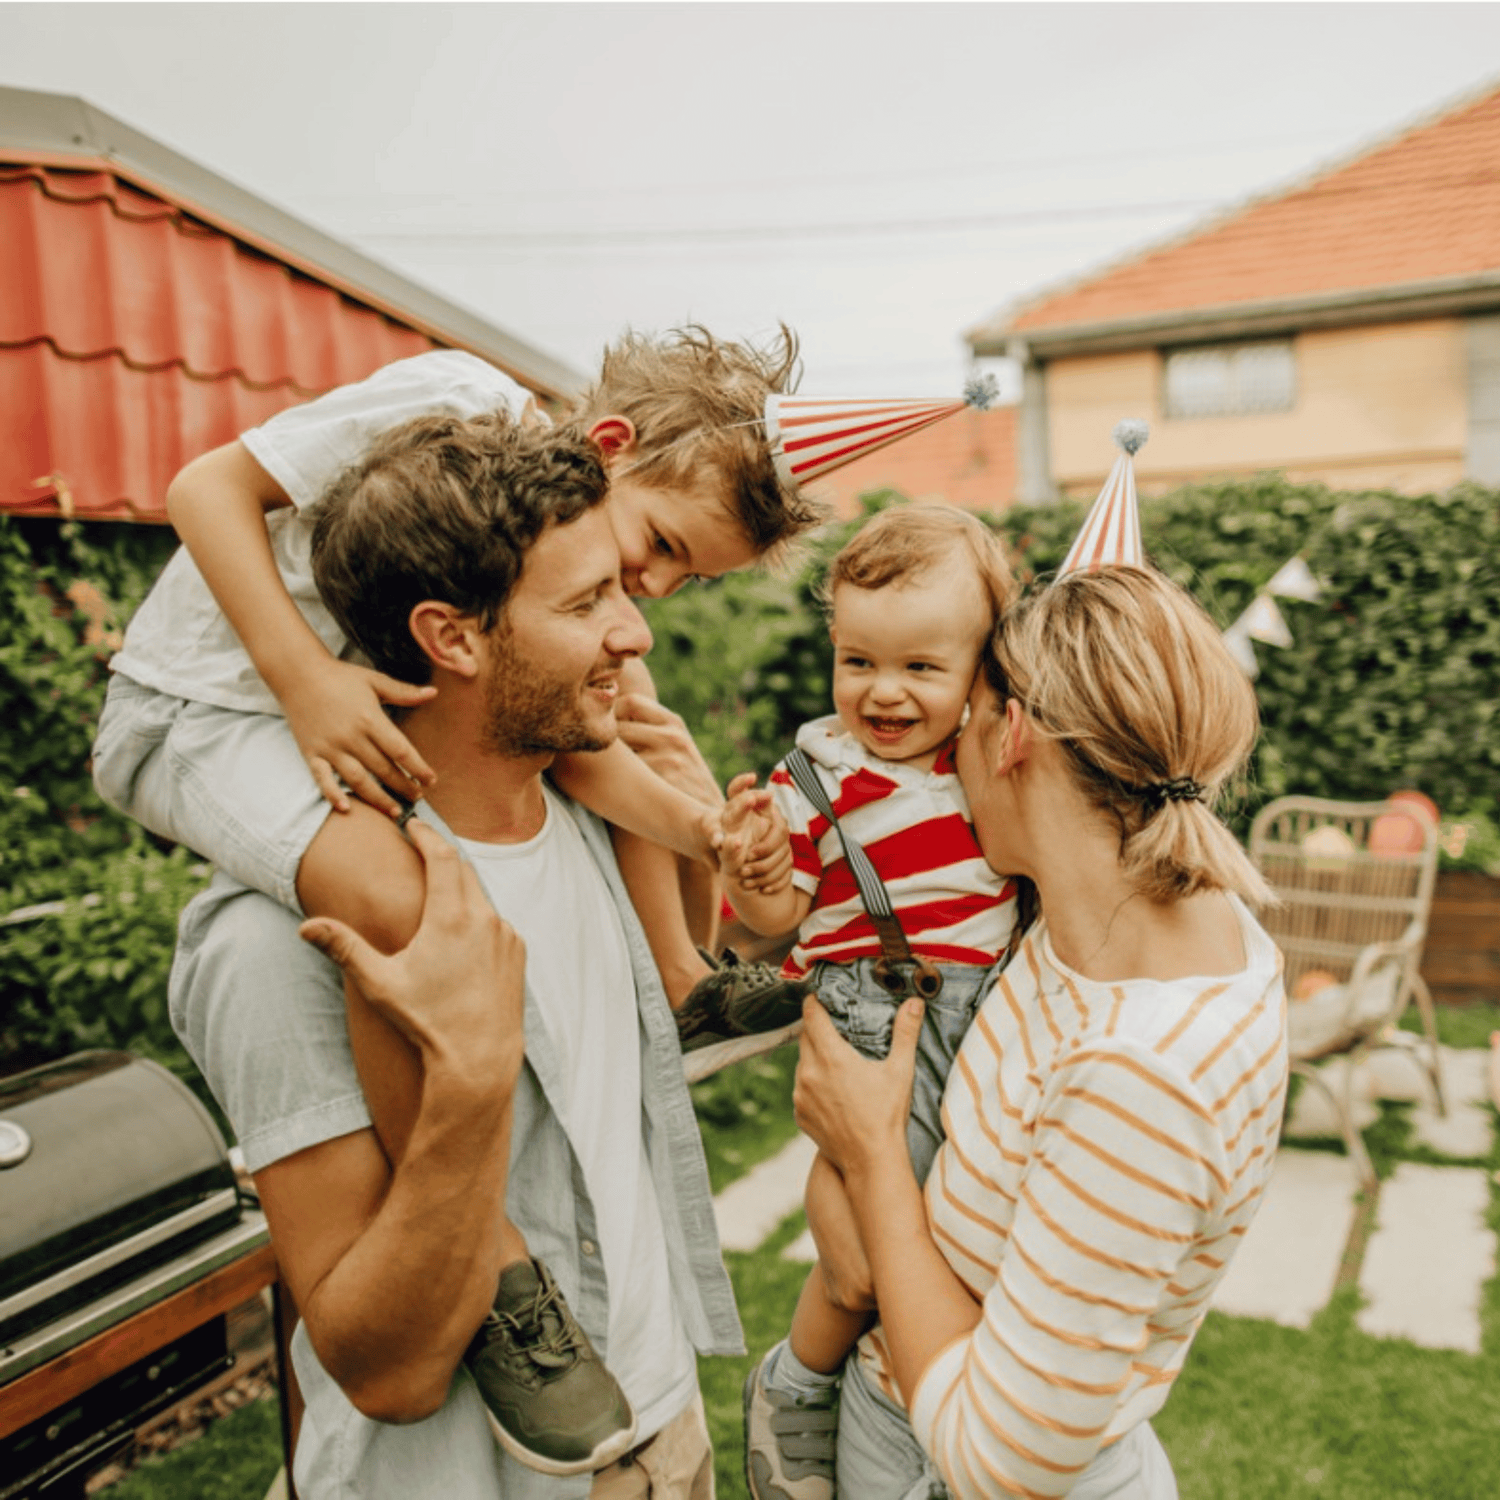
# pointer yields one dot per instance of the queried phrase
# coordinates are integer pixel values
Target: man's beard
(530, 713)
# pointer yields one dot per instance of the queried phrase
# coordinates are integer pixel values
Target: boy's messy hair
(905, 542)
(443, 508)
(698, 406)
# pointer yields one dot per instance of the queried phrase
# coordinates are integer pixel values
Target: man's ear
(615, 436)
(449, 639)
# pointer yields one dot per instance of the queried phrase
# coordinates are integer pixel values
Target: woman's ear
(449, 640)
(614, 435)
(1016, 745)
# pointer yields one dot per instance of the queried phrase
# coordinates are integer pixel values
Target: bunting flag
(811, 436)
(1111, 531)
(1261, 620)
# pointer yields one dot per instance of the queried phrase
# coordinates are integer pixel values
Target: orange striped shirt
(1107, 1145)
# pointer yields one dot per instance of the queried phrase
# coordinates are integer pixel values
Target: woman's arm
(856, 1111)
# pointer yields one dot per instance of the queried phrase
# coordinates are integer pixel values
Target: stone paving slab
(1287, 1265)
(1428, 1258)
(752, 1206)
(1389, 1074)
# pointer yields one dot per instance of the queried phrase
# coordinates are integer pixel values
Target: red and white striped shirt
(915, 827)
(1107, 1144)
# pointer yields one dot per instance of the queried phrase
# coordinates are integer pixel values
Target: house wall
(1383, 406)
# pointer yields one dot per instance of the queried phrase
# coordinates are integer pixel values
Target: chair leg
(1343, 1107)
(1428, 1013)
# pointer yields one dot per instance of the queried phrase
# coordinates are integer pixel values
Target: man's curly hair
(443, 508)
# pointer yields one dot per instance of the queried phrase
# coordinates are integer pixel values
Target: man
(513, 604)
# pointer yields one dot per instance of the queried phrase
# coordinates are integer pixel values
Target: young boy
(913, 597)
(236, 719)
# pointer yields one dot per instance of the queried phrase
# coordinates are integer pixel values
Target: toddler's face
(904, 661)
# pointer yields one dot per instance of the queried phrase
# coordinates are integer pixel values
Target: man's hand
(456, 991)
(336, 714)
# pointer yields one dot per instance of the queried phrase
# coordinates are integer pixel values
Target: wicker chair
(1355, 881)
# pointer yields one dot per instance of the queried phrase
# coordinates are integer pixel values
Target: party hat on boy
(1112, 530)
(812, 435)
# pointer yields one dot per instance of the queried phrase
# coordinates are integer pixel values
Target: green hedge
(1393, 678)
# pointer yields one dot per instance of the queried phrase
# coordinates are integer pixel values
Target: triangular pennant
(1263, 622)
(811, 436)
(1111, 531)
(1238, 641)
(1295, 580)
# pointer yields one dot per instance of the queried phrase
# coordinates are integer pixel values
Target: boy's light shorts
(231, 786)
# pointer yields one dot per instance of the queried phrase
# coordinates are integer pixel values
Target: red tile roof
(134, 337)
(968, 459)
(1419, 208)
(151, 309)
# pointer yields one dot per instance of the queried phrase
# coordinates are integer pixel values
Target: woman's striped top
(1107, 1144)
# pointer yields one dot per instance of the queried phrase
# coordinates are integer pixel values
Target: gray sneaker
(789, 1444)
(552, 1404)
(738, 999)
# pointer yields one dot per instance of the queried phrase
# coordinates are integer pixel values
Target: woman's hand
(855, 1109)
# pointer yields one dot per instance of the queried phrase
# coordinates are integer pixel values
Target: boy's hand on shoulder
(337, 715)
(664, 742)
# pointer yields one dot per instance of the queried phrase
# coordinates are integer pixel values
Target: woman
(1113, 1113)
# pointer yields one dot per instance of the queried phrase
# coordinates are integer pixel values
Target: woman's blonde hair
(908, 541)
(1126, 671)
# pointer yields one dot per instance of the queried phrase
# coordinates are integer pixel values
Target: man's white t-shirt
(179, 641)
(578, 967)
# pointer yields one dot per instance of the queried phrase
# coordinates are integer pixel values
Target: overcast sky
(881, 176)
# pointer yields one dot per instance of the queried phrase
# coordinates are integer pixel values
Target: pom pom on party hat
(1112, 530)
(811, 435)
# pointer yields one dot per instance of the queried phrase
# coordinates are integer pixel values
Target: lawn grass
(1259, 1410)
(234, 1459)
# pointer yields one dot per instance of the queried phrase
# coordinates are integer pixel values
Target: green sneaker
(789, 1444)
(552, 1404)
(738, 999)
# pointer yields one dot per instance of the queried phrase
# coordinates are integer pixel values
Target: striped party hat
(1112, 530)
(812, 435)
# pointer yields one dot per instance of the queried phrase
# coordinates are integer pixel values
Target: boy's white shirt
(179, 642)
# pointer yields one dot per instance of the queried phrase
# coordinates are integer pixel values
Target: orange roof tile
(969, 459)
(1423, 206)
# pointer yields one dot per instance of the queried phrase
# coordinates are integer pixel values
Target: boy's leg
(792, 1395)
(550, 1400)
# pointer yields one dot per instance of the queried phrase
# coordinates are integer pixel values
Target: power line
(567, 238)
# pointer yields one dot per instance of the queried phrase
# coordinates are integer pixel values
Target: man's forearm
(391, 1317)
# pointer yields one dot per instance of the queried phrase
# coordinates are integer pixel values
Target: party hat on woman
(812, 435)
(1112, 531)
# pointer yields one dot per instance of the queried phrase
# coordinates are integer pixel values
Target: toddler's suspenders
(898, 969)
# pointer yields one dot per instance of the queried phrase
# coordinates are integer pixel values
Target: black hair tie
(1178, 789)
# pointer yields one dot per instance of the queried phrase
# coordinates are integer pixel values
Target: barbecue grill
(124, 1241)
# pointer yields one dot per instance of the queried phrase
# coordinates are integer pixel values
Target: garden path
(1424, 1258)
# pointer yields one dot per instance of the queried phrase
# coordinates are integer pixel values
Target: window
(1229, 380)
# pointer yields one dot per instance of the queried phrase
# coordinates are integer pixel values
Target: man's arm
(394, 1268)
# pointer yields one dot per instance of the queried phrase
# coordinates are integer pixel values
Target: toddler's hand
(337, 717)
(755, 847)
